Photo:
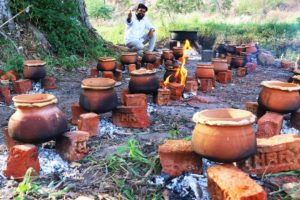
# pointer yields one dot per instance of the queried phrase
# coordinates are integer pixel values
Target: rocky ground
(177, 116)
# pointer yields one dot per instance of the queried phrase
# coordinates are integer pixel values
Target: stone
(94, 73)
(241, 71)
(206, 85)
(89, 122)
(22, 86)
(163, 97)
(76, 112)
(135, 100)
(269, 125)
(49, 83)
(230, 183)
(274, 154)
(72, 145)
(20, 159)
(191, 86)
(9, 141)
(265, 58)
(177, 156)
(131, 117)
(222, 77)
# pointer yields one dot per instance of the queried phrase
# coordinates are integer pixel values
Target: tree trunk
(5, 14)
(85, 18)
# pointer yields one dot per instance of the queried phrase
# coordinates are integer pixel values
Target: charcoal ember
(159, 181)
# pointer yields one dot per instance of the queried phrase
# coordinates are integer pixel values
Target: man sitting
(136, 26)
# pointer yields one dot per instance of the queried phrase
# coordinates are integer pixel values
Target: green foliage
(182, 6)
(99, 9)
(257, 6)
(174, 133)
(126, 191)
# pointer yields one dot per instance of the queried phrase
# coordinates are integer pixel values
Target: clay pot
(251, 48)
(34, 69)
(238, 61)
(224, 135)
(220, 65)
(205, 71)
(279, 96)
(149, 57)
(296, 79)
(143, 81)
(129, 58)
(106, 64)
(286, 64)
(231, 48)
(177, 52)
(240, 49)
(37, 119)
(170, 71)
(295, 119)
(98, 95)
(168, 54)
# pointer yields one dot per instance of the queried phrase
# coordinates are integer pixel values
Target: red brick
(124, 92)
(118, 75)
(191, 86)
(241, 71)
(5, 94)
(251, 66)
(131, 117)
(149, 66)
(21, 158)
(269, 125)
(72, 145)
(229, 182)
(177, 156)
(163, 97)
(229, 75)
(275, 154)
(176, 90)
(89, 122)
(252, 107)
(9, 141)
(131, 67)
(108, 74)
(22, 86)
(94, 73)
(135, 100)
(206, 85)
(191, 78)
(49, 83)
(12, 75)
(76, 112)
(223, 77)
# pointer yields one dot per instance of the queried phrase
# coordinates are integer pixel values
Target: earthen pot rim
(129, 54)
(34, 100)
(219, 60)
(231, 117)
(98, 83)
(150, 53)
(34, 63)
(207, 66)
(279, 85)
(178, 48)
(297, 71)
(167, 51)
(106, 59)
(142, 72)
(296, 77)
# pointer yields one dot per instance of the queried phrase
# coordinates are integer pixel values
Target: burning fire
(181, 72)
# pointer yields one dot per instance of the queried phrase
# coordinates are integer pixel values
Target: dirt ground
(163, 118)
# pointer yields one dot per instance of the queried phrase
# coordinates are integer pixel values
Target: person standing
(139, 31)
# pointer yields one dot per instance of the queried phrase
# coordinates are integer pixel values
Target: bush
(99, 9)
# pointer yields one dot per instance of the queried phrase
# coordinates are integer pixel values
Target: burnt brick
(9, 141)
(252, 107)
(135, 100)
(108, 74)
(206, 85)
(5, 94)
(241, 71)
(191, 86)
(176, 90)
(76, 112)
(163, 97)
(22, 86)
(222, 77)
(269, 125)
(89, 122)
(49, 83)
(94, 73)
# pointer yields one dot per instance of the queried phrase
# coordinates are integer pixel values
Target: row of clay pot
(238, 49)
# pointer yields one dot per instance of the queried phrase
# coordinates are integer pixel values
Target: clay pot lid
(106, 59)
(219, 60)
(224, 117)
(150, 53)
(167, 51)
(203, 65)
(178, 48)
(296, 77)
(297, 71)
(142, 71)
(129, 54)
(34, 63)
(98, 83)
(34, 100)
(281, 85)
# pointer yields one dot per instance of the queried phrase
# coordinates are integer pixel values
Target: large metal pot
(184, 35)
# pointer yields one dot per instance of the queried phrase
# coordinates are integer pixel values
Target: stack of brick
(133, 111)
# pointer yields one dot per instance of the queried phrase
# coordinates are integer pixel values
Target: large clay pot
(98, 95)
(238, 61)
(177, 52)
(220, 65)
(224, 135)
(34, 69)
(106, 64)
(251, 48)
(149, 57)
(143, 81)
(279, 96)
(205, 71)
(129, 58)
(37, 119)
(168, 54)
(295, 119)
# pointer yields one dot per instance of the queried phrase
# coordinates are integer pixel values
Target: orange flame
(167, 81)
(181, 72)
